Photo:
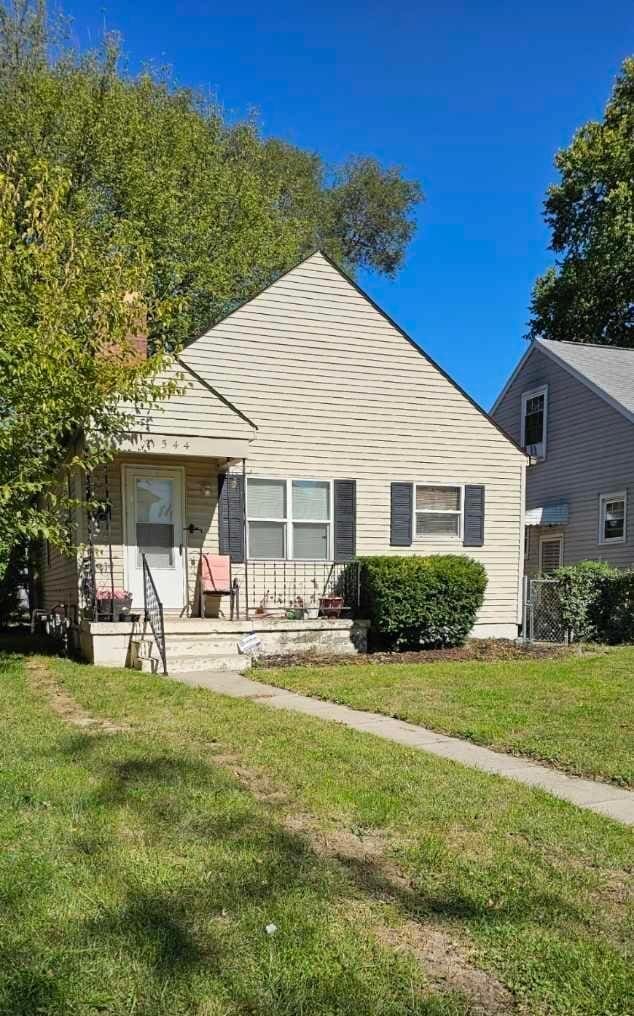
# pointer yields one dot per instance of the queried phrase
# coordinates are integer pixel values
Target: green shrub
(615, 609)
(581, 587)
(416, 602)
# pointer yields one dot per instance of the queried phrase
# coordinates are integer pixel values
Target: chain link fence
(542, 612)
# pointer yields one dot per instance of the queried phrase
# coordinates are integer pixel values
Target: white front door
(154, 527)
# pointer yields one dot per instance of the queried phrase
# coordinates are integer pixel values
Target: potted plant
(331, 606)
(113, 604)
(295, 610)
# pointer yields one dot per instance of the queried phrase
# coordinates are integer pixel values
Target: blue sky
(472, 99)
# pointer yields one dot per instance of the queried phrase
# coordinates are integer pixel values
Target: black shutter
(473, 516)
(401, 514)
(231, 516)
(345, 498)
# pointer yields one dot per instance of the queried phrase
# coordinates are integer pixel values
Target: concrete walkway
(604, 798)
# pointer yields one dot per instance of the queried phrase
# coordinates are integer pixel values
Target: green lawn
(576, 713)
(139, 868)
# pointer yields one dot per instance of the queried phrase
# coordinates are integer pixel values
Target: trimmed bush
(614, 612)
(416, 602)
(581, 589)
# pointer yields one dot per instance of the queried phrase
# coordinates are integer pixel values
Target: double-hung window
(534, 421)
(612, 518)
(438, 512)
(289, 519)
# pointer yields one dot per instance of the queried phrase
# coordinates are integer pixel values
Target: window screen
(311, 499)
(550, 554)
(438, 499)
(267, 499)
(438, 511)
(534, 420)
(613, 518)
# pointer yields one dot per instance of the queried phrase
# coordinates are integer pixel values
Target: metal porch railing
(154, 611)
(277, 586)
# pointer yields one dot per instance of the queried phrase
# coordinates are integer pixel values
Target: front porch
(160, 516)
(213, 644)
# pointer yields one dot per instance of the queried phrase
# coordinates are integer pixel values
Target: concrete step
(212, 661)
(188, 662)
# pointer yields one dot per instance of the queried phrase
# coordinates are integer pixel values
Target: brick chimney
(136, 340)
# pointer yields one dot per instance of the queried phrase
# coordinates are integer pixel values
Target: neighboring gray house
(571, 406)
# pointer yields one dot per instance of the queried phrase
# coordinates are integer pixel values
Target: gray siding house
(571, 406)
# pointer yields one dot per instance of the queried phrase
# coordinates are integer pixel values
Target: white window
(551, 553)
(534, 421)
(289, 519)
(438, 512)
(612, 518)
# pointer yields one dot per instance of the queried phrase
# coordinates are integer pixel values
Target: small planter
(331, 606)
(113, 607)
(312, 613)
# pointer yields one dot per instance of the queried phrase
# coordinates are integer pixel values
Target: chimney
(136, 340)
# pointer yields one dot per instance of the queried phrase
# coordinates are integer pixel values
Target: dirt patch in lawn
(473, 650)
(446, 960)
(44, 681)
(447, 967)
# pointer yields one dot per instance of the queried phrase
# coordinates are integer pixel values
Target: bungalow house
(571, 406)
(309, 430)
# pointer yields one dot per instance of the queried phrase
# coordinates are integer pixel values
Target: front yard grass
(576, 713)
(143, 856)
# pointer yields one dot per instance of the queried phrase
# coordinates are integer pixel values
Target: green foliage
(589, 296)
(13, 586)
(580, 589)
(615, 609)
(70, 296)
(220, 210)
(415, 602)
(123, 198)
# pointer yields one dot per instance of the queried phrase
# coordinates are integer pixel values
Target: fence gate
(542, 612)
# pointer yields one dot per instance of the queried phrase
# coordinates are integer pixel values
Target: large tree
(71, 300)
(220, 209)
(589, 295)
(112, 186)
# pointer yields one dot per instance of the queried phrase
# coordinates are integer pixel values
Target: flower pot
(312, 613)
(331, 606)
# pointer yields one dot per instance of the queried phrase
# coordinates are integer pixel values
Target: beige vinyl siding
(58, 578)
(199, 509)
(590, 451)
(337, 392)
(193, 411)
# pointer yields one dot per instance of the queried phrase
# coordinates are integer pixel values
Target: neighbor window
(551, 553)
(289, 519)
(534, 421)
(612, 516)
(438, 511)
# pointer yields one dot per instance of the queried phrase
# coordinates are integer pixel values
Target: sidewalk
(603, 798)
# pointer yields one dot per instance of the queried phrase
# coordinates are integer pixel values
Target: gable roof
(348, 278)
(216, 416)
(608, 371)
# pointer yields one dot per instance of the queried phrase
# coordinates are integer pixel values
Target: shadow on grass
(187, 896)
